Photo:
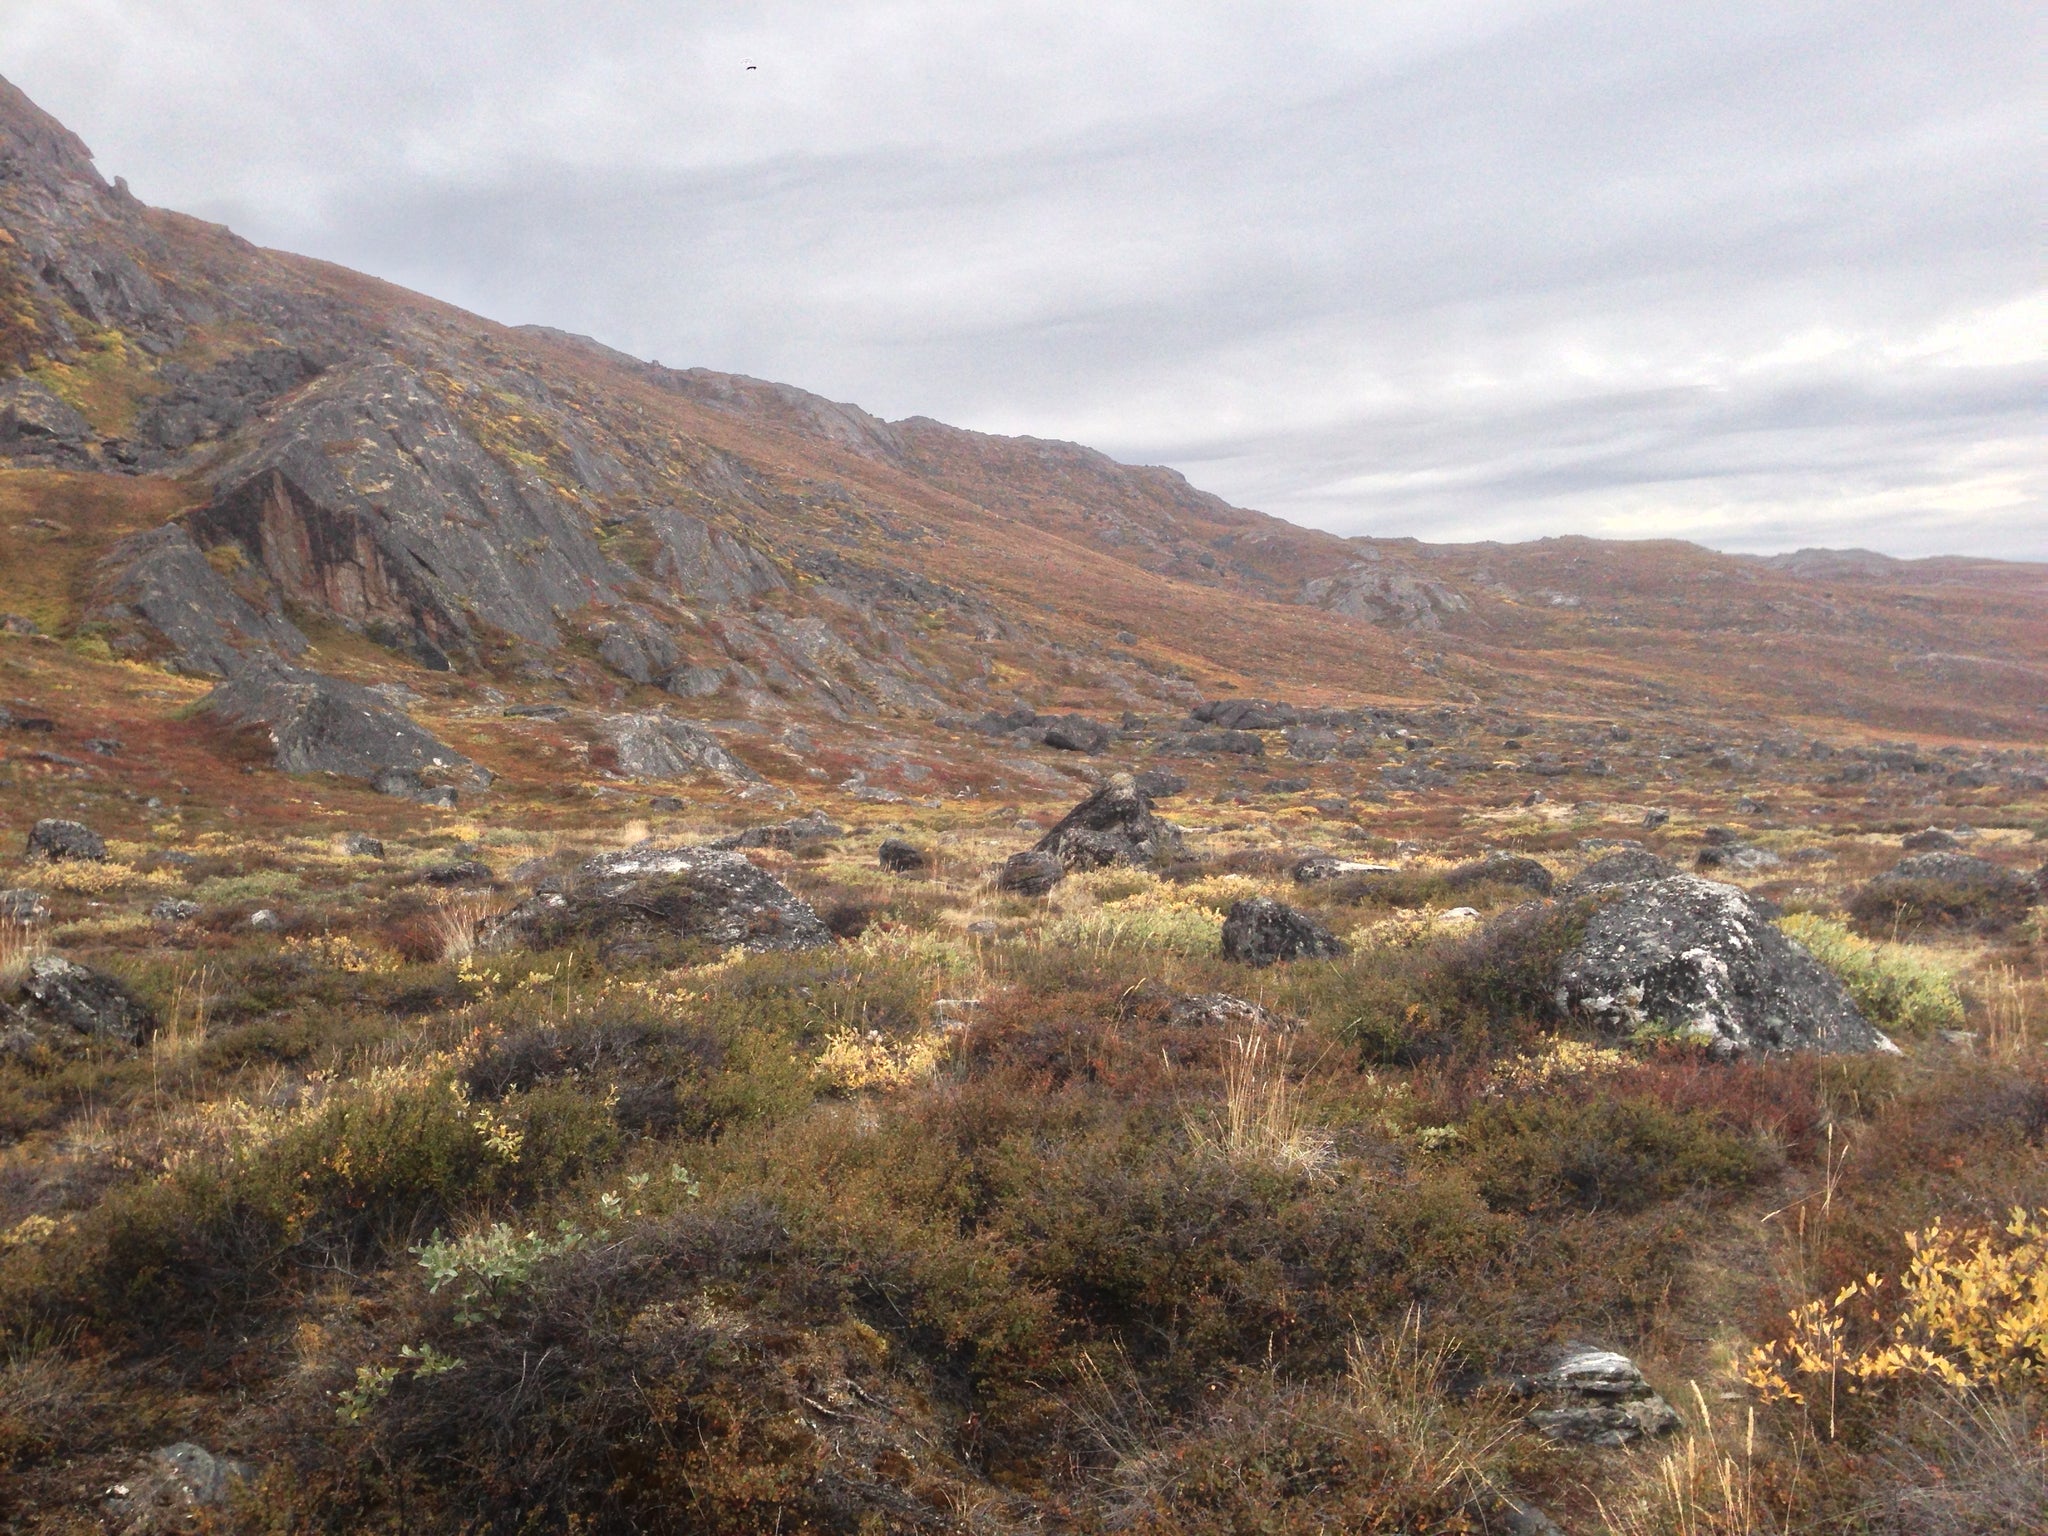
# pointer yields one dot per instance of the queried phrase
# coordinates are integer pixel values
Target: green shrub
(1897, 989)
(1602, 1153)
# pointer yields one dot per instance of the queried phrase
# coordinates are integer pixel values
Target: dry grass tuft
(1262, 1120)
(20, 947)
(454, 925)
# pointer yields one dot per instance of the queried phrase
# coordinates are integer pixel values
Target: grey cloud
(1752, 273)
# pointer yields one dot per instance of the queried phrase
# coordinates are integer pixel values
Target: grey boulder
(1030, 873)
(902, 858)
(1697, 958)
(23, 905)
(1115, 825)
(1261, 931)
(55, 840)
(634, 903)
(62, 994)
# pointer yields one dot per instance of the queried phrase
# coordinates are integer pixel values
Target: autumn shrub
(1895, 905)
(1602, 1151)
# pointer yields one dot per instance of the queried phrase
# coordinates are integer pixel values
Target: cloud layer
(1763, 275)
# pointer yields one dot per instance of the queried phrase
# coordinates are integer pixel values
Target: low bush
(1602, 1152)
(1897, 990)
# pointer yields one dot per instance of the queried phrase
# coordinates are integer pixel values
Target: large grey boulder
(55, 839)
(656, 746)
(1115, 825)
(321, 724)
(643, 900)
(61, 995)
(1697, 958)
(1261, 931)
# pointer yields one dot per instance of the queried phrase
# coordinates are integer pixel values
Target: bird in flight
(751, 64)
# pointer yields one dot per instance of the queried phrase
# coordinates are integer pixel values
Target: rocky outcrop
(368, 497)
(55, 840)
(1115, 825)
(646, 901)
(320, 724)
(1261, 931)
(1697, 958)
(36, 424)
(654, 746)
(161, 579)
(60, 996)
(1383, 595)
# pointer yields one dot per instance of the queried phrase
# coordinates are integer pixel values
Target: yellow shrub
(853, 1060)
(1973, 1312)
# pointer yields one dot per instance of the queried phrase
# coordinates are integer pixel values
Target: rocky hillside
(268, 461)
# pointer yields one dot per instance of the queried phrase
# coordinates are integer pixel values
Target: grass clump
(1896, 988)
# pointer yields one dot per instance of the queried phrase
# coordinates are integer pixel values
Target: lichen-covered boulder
(55, 840)
(62, 995)
(656, 746)
(1261, 931)
(1623, 868)
(1115, 825)
(1698, 958)
(1503, 869)
(646, 900)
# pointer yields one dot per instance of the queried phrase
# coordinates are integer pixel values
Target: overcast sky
(1761, 273)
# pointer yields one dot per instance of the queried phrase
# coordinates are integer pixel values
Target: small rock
(1741, 856)
(459, 872)
(1318, 867)
(1286, 786)
(23, 905)
(264, 920)
(1161, 784)
(1219, 1010)
(360, 845)
(1261, 931)
(1600, 1398)
(1933, 840)
(174, 909)
(103, 746)
(1656, 818)
(90, 1002)
(1031, 873)
(1076, 733)
(19, 624)
(901, 858)
(984, 930)
(53, 839)
(814, 828)
(665, 803)
(954, 1012)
